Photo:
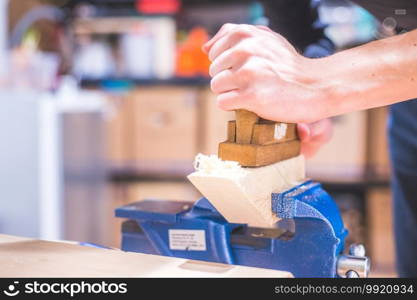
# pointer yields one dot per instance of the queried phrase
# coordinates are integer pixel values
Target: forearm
(376, 74)
(258, 70)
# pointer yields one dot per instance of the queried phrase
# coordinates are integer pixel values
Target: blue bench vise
(308, 241)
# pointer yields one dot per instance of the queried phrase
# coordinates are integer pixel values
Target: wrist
(322, 100)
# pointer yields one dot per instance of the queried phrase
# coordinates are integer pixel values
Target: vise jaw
(308, 241)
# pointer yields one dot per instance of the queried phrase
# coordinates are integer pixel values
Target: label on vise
(194, 240)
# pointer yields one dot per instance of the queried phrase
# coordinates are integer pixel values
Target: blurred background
(106, 102)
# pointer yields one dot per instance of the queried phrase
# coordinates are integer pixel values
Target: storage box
(118, 196)
(352, 209)
(377, 152)
(165, 129)
(344, 157)
(119, 131)
(380, 244)
(170, 190)
(213, 122)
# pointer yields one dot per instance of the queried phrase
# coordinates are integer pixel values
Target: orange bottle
(191, 60)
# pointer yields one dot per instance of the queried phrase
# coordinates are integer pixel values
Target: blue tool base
(307, 243)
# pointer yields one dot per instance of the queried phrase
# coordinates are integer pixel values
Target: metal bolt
(354, 265)
(352, 274)
(357, 250)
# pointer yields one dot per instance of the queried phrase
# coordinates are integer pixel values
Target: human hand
(256, 69)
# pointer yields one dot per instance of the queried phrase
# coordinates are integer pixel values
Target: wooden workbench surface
(23, 257)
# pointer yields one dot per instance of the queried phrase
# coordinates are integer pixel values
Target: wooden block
(251, 155)
(245, 120)
(251, 141)
(291, 131)
(22, 257)
(269, 133)
(243, 195)
(231, 131)
(263, 134)
(265, 121)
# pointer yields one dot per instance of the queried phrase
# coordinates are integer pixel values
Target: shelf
(117, 83)
(134, 177)
(359, 183)
(127, 8)
(139, 173)
(100, 25)
(354, 187)
(129, 175)
(111, 3)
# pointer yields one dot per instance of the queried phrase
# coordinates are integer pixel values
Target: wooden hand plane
(255, 142)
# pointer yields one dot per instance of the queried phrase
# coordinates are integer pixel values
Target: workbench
(24, 257)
